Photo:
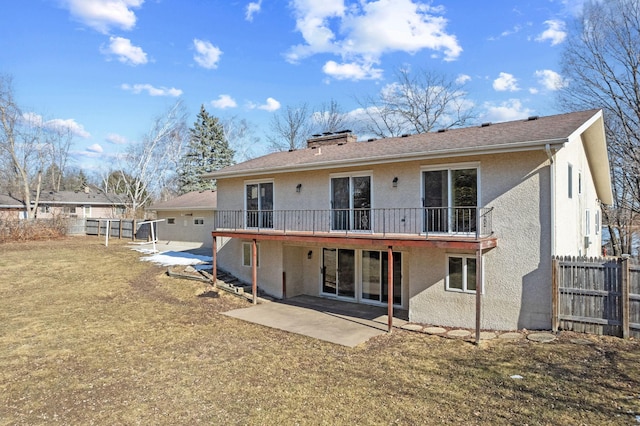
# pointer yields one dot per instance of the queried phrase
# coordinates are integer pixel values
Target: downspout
(552, 193)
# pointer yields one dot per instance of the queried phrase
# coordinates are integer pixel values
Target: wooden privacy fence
(119, 228)
(598, 296)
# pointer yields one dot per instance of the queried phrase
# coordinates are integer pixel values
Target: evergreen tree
(208, 150)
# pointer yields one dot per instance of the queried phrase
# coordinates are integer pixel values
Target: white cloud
(116, 139)
(224, 101)
(151, 90)
(506, 82)
(102, 15)
(56, 124)
(96, 148)
(125, 51)
(463, 78)
(369, 30)
(505, 111)
(270, 105)
(551, 80)
(207, 55)
(252, 9)
(351, 71)
(555, 32)
(68, 125)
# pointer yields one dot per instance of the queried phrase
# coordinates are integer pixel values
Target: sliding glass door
(450, 200)
(338, 272)
(351, 203)
(259, 205)
(375, 271)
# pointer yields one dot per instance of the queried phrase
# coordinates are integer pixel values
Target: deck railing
(459, 221)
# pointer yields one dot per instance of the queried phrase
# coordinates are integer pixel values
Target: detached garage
(188, 217)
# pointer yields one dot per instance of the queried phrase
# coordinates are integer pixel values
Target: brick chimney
(331, 138)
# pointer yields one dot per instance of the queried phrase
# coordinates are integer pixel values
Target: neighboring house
(428, 218)
(10, 207)
(188, 217)
(88, 203)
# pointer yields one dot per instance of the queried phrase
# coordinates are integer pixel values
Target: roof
(92, 196)
(509, 136)
(196, 200)
(7, 201)
(529, 134)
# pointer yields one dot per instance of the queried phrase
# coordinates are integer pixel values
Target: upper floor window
(450, 199)
(198, 221)
(570, 181)
(351, 203)
(259, 205)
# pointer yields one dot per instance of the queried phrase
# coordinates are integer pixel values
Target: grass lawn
(91, 335)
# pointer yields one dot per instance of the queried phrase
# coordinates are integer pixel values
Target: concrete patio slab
(342, 323)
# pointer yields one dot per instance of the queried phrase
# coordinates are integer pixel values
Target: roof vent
(371, 140)
(532, 118)
(327, 133)
(404, 135)
(343, 131)
(317, 135)
(442, 130)
(487, 124)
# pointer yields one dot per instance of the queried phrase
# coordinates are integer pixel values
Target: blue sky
(106, 68)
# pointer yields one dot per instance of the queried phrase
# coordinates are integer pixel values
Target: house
(188, 217)
(91, 202)
(458, 227)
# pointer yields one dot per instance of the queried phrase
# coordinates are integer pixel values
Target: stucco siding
(184, 227)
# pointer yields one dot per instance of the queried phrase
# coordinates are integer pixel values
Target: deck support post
(214, 261)
(479, 280)
(390, 288)
(254, 271)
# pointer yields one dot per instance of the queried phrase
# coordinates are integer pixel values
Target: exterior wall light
(299, 187)
(310, 254)
(395, 182)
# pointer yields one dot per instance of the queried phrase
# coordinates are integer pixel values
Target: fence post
(555, 293)
(624, 296)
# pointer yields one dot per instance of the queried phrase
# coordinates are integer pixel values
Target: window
(587, 222)
(579, 183)
(247, 255)
(171, 221)
(461, 273)
(259, 205)
(45, 208)
(351, 203)
(450, 199)
(570, 180)
(597, 224)
(198, 221)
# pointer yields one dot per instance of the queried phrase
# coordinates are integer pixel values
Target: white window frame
(198, 221)
(597, 222)
(171, 221)
(351, 175)
(570, 180)
(587, 222)
(244, 196)
(464, 258)
(247, 262)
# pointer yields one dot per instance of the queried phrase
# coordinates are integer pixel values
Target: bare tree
(21, 148)
(602, 65)
(329, 117)
(417, 102)
(290, 128)
(149, 165)
(241, 136)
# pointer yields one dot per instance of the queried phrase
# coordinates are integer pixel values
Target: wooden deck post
(390, 288)
(214, 261)
(624, 296)
(254, 271)
(555, 293)
(479, 280)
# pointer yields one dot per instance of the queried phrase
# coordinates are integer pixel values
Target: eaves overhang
(554, 144)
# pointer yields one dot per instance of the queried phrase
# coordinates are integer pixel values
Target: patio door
(259, 202)
(450, 200)
(375, 271)
(351, 203)
(338, 272)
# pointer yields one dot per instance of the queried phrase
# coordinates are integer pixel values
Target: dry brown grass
(90, 335)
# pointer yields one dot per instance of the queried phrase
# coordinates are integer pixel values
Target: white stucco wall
(184, 228)
(517, 273)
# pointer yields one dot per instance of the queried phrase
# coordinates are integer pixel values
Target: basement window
(461, 273)
(246, 255)
(171, 221)
(198, 221)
